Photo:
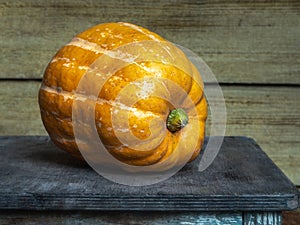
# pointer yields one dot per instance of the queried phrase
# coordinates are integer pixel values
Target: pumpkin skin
(72, 61)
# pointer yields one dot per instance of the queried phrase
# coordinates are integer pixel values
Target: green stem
(177, 119)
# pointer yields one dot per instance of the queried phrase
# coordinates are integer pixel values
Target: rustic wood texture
(119, 218)
(37, 175)
(262, 218)
(269, 115)
(291, 217)
(245, 42)
(139, 218)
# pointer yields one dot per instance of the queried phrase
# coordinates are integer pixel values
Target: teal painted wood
(215, 219)
(262, 218)
(120, 218)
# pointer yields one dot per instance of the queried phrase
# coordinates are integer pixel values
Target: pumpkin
(71, 63)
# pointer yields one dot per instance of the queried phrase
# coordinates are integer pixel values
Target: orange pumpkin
(68, 66)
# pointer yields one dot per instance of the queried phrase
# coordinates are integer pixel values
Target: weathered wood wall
(253, 48)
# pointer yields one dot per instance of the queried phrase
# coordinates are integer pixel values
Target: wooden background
(253, 48)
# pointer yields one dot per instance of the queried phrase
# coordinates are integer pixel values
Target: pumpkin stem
(177, 119)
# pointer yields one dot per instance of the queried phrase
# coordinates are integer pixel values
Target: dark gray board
(34, 174)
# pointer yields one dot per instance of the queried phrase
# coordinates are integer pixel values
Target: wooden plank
(244, 42)
(262, 218)
(19, 109)
(291, 217)
(271, 116)
(268, 114)
(119, 218)
(38, 176)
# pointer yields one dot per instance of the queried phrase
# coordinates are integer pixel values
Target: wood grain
(133, 218)
(242, 42)
(268, 114)
(291, 217)
(262, 218)
(39, 176)
(118, 218)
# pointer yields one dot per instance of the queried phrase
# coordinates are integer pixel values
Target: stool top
(35, 174)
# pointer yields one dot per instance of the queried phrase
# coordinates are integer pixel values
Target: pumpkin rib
(200, 140)
(147, 157)
(82, 56)
(201, 109)
(170, 149)
(117, 33)
(139, 156)
(134, 157)
(133, 154)
(55, 113)
(95, 48)
(141, 30)
(69, 94)
(133, 80)
(116, 74)
(167, 64)
(194, 83)
(88, 46)
(61, 127)
(117, 105)
(181, 71)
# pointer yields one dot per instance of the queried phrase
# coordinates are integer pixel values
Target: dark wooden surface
(34, 174)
